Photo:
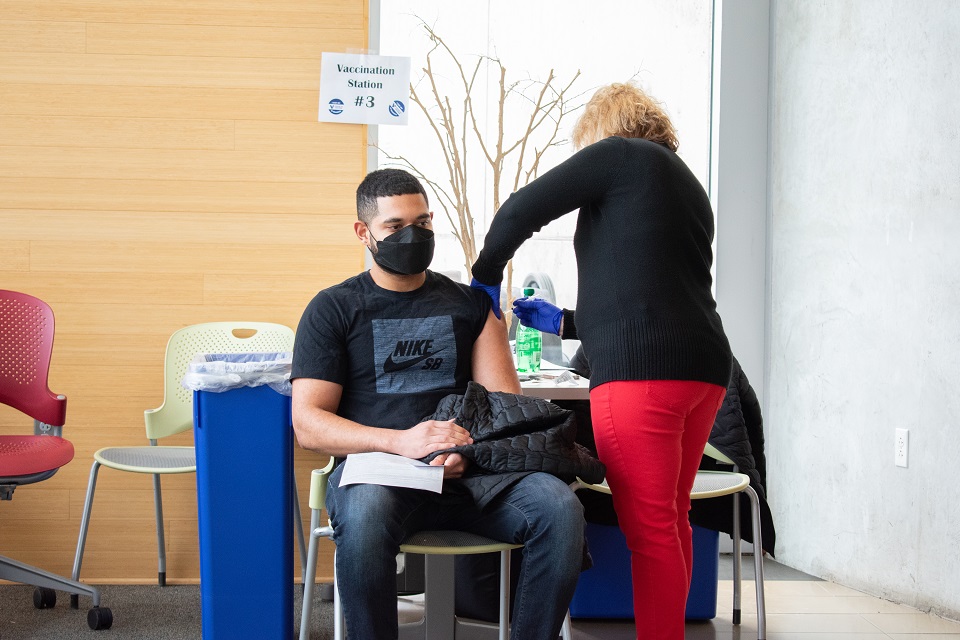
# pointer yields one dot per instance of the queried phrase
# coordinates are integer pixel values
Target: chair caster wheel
(99, 618)
(44, 598)
(74, 601)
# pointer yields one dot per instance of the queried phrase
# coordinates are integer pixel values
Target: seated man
(373, 356)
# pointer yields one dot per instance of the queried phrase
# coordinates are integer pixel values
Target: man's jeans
(538, 511)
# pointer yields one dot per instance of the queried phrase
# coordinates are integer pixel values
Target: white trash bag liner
(219, 372)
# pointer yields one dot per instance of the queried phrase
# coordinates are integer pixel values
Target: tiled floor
(799, 610)
(799, 607)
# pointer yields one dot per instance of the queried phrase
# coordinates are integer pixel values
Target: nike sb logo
(416, 351)
(414, 355)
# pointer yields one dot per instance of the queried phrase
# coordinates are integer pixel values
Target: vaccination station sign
(364, 89)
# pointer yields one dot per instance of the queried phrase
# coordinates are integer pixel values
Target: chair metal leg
(504, 595)
(161, 546)
(298, 525)
(439, 621)
(758, 563)
(309, 574)
(84, 524)
(566, 631)
(438, 616)
(338, 623)
(737, 560)
(17, 571)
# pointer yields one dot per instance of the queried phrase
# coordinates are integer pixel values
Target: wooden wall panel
(59, 37)
(189, 257)
(124, 503)
(107, 287)
(15, 256)
(116, 132)
(56, 502)
(120, 226)
(329, 14)
(182, 165)
(78, 194)
(142, 317)
(161, 165)
(103, 100)
(299, 136)
(178, 71)
(218, 40)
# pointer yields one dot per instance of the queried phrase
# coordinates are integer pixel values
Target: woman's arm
(583, 178)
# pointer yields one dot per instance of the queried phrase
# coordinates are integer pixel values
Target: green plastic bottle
(529, 346)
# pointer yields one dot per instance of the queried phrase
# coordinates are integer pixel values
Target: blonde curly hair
(623, 109)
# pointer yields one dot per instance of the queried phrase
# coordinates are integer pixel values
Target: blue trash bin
(244, 454)
(606, 591)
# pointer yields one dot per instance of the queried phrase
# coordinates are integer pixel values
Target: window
(663, 44)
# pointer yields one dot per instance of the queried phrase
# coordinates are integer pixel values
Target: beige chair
(439, 547)
(713, 484)
(712, 452)
(175, 415)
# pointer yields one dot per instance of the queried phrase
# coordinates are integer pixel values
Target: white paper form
(391, 470)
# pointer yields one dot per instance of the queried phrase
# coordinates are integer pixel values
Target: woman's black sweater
(645, 309)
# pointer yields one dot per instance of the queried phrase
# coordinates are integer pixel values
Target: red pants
(650, 434)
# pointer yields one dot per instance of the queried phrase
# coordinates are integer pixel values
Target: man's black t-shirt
(396, 354)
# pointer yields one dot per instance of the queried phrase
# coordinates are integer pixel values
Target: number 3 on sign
(364, 101)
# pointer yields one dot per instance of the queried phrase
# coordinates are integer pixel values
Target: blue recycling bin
(606, 589)
(244, 454)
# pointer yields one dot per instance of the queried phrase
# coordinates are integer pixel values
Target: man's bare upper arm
(319, 394)
(310, 399)
(492, 361)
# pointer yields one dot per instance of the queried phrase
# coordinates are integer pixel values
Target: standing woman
(647, 321)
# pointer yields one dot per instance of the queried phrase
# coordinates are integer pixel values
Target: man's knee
(569, 514)
(559, 509)
(365, 514)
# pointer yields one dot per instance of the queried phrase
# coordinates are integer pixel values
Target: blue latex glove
(493, 290)
(539, 314)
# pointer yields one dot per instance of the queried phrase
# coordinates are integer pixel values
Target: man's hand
(539, 314)
(454, 464)
(493, 290)
(429, 436)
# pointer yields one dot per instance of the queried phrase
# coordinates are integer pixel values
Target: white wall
(738, 176)
(864, 278)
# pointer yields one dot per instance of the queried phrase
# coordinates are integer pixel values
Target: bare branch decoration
(540, 106)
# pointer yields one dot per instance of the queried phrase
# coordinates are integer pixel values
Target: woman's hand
(539, 314)
(493, 290)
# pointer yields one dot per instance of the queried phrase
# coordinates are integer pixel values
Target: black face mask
(406, 252)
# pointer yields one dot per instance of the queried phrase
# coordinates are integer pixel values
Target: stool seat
(453, 543)
(713, 484)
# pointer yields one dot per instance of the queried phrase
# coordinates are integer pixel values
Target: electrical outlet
(901, 447)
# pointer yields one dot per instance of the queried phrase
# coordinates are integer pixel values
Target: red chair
(26, 344)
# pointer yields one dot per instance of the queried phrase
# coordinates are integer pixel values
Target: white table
(546, 388)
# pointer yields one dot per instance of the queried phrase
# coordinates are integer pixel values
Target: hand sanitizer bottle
(529, 346)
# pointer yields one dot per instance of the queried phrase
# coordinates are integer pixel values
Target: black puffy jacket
(738, 433)
(514, 435)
